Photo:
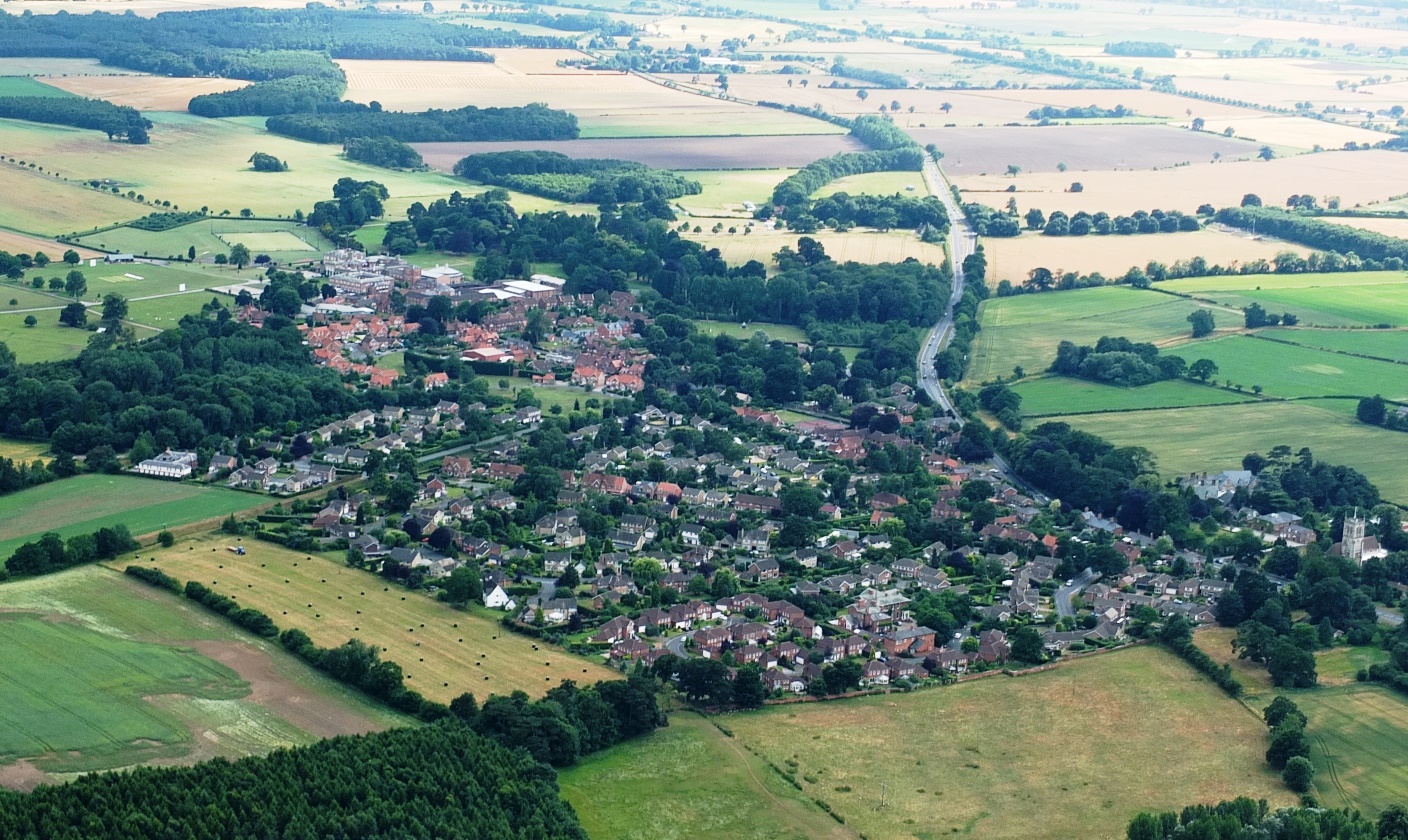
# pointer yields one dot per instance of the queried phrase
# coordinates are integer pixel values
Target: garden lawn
(1186, 440)
(1382, 344)
(775, 332)
(103, 671)
(1072, 752)
(689, 781)
(1059, 395)
(85, 503)
(444, 652)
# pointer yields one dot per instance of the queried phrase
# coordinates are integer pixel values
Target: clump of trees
(879, 78)
(351, 119)
(1141, 49)
(263, 162)
(1375, 412)
(1243, 817)
(596, 180)
(386, 152)
(1119, 361)
(1089, 112)
(1314, 233)
(1102, 224)
(50, 553)
(1255, 316)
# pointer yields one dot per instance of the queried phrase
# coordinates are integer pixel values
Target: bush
(1298, 773)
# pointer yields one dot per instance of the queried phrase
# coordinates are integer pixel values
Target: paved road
(961, 241)
(1064, 594)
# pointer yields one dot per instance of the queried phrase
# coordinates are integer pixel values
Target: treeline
(1089, 112)
(842, 210)
(386, 152)
(1141, 49)
(1243, 818)
(894, 151)
(1314, 233)
(119, 122)
(350, 119)
(292, 95)
(879, 78)
(952, 362)
(1103, 224)
(1177, 636)
(989, 221)
(1035, 61)
(597, 21)
(1124, 363)
(51, 554)
(596, 180)
(422, 783)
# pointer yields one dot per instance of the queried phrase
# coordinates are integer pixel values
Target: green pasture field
(1025, 330)
(1292, 371)
(26, 297)
(85, 503)
(877, 183)
(444, 652)
(1362, 298)
(26, 451)
(113, 278)
(193, 162)
(1104, 737)
(1381, 344)
(1373, 305)
(164, 312)
(775, 332)
(284, 241)
(689, 781)
(1186, 440)
(102, 672)
(1060, 395)
(25, 86)
(1267, 282)
(47, 340)
(52, 206)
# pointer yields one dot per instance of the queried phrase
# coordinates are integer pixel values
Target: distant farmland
(973, 151)
(666, 152)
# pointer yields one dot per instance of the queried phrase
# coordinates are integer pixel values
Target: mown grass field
(215, 236)
(102, 671)
(26, 86)
(47, 340)
(155, 279)
(1289, 371)
(1025, 330)
(726, 190)
(1106, 738)
(444, 652)
(164, 312)
(1060, 395)
(774, 332)
(877, 183)
(1382, 344)
(690, 781)
(85, 503)
(1188, 440)
(1364, 298)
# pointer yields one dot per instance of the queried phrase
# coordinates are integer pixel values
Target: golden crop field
(21, 243)
(1357, 178)
(145, 93)
(1388, 226)
(1012, 259)
(444, 652)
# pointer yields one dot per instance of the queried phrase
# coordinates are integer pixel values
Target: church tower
(1352, 545)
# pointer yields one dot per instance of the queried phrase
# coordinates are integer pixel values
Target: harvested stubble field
(1387, 225)
(855, 246)
(104, 671)
(1186, 440)
(606, 104)
(85, 503)
(444, 652)
(1358, 178)
(1107, 737)
(23, 243)
(652, 789)
(143, 92)
(677, 153)
(1013, 258)
(1082, 148)
(141, 8)
(1025, 330)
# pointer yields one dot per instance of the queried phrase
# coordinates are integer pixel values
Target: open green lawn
(1059, 395)
(102, 671)
(444, 652)
(1363, 298)
(775, 332)
(548, 396)
(689, 781)
(876, 183)
(47, 340)
(726, 190)
(1373, 305)
(1072, 752)
(27, 297)
(1290, 371)
(1382, 344)
(85, 503)
(1025, 330)
(284, 241)
(164, 312)
(122, 279)
(1188, 440)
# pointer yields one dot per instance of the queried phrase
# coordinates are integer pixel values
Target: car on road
(1071, 581)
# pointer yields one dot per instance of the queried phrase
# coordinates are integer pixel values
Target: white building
(168, 464)
(444, 275)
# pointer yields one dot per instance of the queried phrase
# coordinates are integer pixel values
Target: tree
(74, 315)
(1036, 220)
(114, 307)
(191, 253)
(239, 255)
(748, 689)
(1202, 321)
(1265, 153)
(1202, 370)
(1281, 709)
(75, 284)
(1291, 666)
(1287, 742)
(1013, 169)
(1251, 200)
(1198, 123)
(842, 676)
(30, 320)
(166, 539)
(1393, 823)
(71, 257)
(1027, 646)
(267, 163)
(862, 95)
(1298, 773)
(463, 585)
(1372, 410)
